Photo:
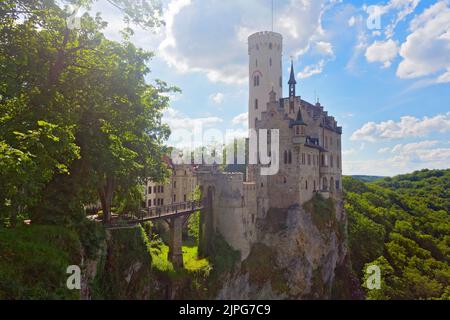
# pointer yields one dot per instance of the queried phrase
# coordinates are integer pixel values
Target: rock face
(296, 255)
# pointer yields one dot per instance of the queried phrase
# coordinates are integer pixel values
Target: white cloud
(324, 48)
(217, 98)
(382, 51)
(349, 152)
(210, 36)
(178, 121)
(384, 150)
(241, 119)
(351, 21)
(312, 70)
(426, 51)
(403, 158)
(408, 126)
(414, 146)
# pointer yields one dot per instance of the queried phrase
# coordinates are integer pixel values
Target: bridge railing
(170, 209)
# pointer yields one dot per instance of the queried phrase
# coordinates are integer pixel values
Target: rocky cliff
(296, 255)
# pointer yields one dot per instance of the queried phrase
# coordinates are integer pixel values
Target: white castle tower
(265, 71)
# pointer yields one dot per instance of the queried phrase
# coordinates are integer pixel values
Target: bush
(34, 261)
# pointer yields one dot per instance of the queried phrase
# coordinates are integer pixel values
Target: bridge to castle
(176, 215)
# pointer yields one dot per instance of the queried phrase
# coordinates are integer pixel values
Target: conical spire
(292, 80)
(298, 121)
(299, 115)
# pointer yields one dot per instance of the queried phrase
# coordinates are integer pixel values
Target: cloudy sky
(386, 80)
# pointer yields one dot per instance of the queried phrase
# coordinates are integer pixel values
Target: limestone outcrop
(296, 255)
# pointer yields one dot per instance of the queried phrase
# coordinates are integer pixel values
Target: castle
(309, 155)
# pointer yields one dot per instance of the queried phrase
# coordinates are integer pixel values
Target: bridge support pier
(176, 242)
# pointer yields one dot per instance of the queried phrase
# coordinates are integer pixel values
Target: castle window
(159, 202)
(297, 130)
(284, 180)
(174, 198)
(154, 189)
(149, 203)
(149, 190)
(174, 184)
(285, 157)
(256, 104)
(337, 185)
(184, 198)
(303, 158)
(270, 62)
(270, 46)
(162, 189)
(325, 184)
(306, 185)
(303, 130)
(254, 81)
(162, 202)
(154, 202)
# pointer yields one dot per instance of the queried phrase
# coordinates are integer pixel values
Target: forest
(401, 224)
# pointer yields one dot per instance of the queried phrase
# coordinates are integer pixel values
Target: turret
(265, 70)
(299, 127)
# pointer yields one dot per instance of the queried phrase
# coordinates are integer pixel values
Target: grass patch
(322, 212)
(34, 261)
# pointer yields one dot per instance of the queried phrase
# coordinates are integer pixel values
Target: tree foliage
(402, 225)
(78, 121)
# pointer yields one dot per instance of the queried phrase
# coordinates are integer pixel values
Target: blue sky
(382, 68)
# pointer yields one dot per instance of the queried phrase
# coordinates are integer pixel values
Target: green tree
(102, 120)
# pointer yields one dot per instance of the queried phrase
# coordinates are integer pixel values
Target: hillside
(366, 178)
(402, 225)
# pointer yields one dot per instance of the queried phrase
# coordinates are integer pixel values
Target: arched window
(257, 81)
(284, 180)
(256, 104)
(325, 184)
